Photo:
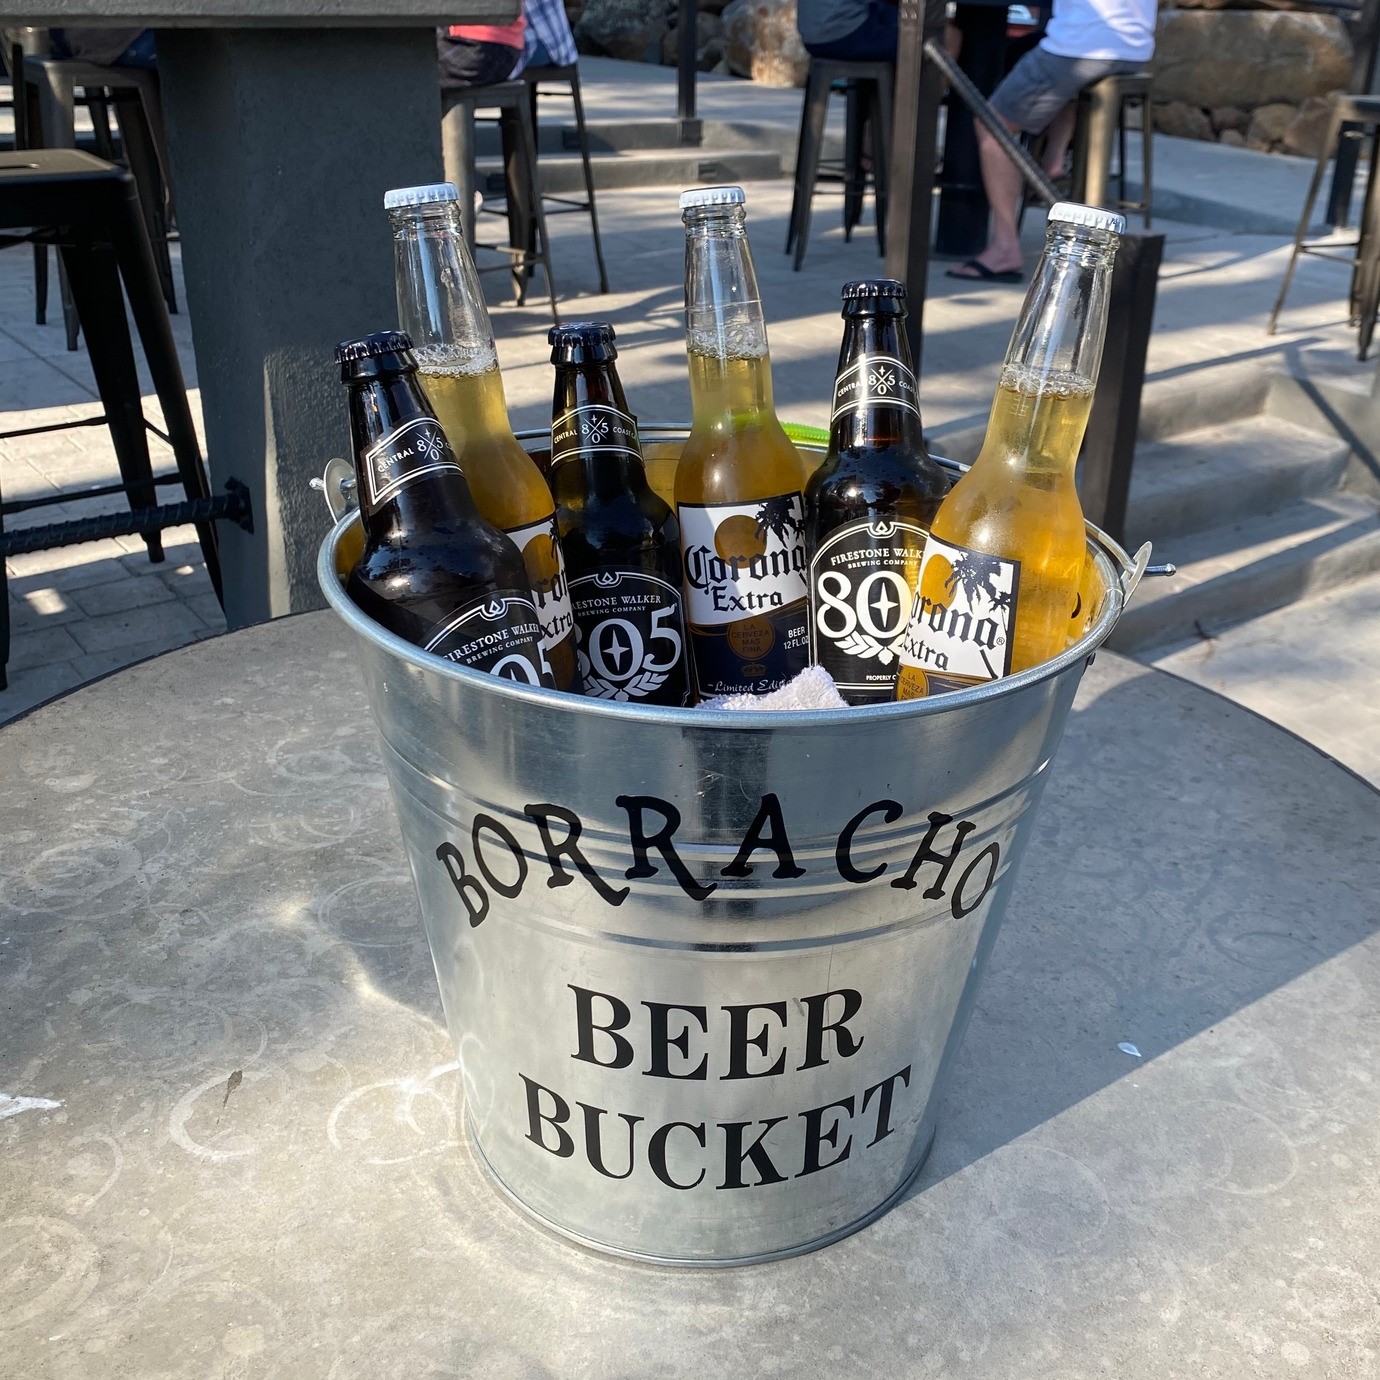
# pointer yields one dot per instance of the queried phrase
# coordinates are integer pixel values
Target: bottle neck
(440, 303)
(595, 452)
(1045, 394)
(408, 477)
(875, 395)
(725, 327)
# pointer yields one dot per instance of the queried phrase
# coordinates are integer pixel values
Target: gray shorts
(1041, 84)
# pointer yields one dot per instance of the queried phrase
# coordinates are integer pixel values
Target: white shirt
(1117, 30)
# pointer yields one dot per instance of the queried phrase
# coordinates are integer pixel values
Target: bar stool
(867, 88)
(1364, 295)
(1102, 109)
(540, 81)
(91, 211)
(528, 242)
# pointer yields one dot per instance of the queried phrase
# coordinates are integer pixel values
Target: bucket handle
(1133, 568)
(337, 486)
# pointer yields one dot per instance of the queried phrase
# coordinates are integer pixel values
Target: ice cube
(813, 688)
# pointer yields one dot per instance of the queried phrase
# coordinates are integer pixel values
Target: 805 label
(631, 637)
(497, 633)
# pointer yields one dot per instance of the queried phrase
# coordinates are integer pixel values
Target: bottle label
(417, 448)
(746, 592)
(962, 618)
(631, 632)
(862, 585)
(593, 426)
(497, 633)
(541, 554)
(875, 381)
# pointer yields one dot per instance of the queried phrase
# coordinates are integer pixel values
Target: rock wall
(1245, 76)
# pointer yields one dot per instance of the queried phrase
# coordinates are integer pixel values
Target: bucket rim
(1119, 571)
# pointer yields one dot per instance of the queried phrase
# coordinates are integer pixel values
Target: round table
(230, 1145)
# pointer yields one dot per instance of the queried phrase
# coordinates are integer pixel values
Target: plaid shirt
(546, 22)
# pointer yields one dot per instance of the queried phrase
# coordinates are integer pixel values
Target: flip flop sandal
(982, 274)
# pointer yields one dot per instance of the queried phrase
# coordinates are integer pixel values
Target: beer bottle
(621, 542)
(740, 481)
(870, 504)
(432, 570)
(999, 586)
(441, 306)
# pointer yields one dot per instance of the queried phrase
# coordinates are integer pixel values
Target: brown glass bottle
(621, 542)
(870, 504)
(433, 571)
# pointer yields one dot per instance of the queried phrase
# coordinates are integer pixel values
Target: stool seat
(91, 211)
(868, 88)
(528, 242)
(1364, 295)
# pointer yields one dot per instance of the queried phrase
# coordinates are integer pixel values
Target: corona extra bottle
(870, 504)
(441, 307)
(432, 570)
(621, 542)
(740, 482)
(999, 587)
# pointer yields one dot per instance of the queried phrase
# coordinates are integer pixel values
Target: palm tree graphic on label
(782, 516)
(978, 574)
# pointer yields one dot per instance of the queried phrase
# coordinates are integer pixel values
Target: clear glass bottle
(441, 306)
(740, 481)
(999, 586)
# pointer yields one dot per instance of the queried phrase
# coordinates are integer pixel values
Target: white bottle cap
(712, 196)
(1093, 217)
(431, 194)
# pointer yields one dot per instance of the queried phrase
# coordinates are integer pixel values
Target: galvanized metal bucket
(705, 971)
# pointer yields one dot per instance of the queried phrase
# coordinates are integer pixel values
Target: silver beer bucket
(705, 971)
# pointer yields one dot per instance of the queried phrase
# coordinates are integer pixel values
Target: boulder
(1248, 58)
(1307, 131)
(1268, 124)
(1225, 117)
(1182, 121)
(1232, 138)
(627, 29)
(761, 41)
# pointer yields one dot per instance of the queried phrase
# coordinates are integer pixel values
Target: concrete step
(1219, 474)
(1234, 572)
(563, 175)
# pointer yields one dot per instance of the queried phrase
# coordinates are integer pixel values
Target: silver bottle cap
(712, 196)
(430, 195)
(1092, 217)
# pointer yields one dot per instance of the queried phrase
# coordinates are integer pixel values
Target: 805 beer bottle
(432, 570)
(870, 504)
(440, 305)
(740, 481)
(621, 542)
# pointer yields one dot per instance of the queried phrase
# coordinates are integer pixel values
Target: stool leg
(583, 134)
(1319, 172)
(141, 155)
(95, 282)
(1100, 134)
(1147, 144)
(40, 284)
(160, 353)
(797, 192)
(457, 158)
(1368, 259)
(532, 207)
(857, 106)
(816, 110)
(883, 98)
(521, 231)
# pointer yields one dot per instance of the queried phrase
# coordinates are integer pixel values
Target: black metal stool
(1362, 112)
(540, 81)
(867, 87)
(1102, 108)
(91, 211)
(528, 242)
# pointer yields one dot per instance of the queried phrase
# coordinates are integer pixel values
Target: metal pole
(1109, 445)
(915, 136)
(691, 131)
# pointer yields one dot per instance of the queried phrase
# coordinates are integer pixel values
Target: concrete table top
(230, 1146)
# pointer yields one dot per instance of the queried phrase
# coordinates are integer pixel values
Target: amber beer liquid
(1000, 586)
(432, 570)
(870, 504)
(740, 482)
(440, 305)
(621, 541)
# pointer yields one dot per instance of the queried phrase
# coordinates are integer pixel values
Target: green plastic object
(809, 435)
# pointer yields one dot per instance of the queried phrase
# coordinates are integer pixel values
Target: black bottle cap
(371, 346)
(582, 342)
(885, 295)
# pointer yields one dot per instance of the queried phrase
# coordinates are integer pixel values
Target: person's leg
(1058, 138)
(1001, 180)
